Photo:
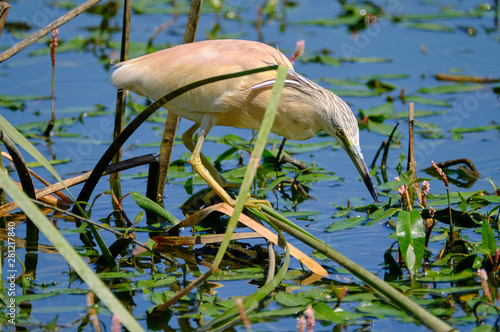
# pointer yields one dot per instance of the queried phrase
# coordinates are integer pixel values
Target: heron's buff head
(335, 117)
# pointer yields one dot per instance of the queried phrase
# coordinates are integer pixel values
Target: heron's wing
(156, 74)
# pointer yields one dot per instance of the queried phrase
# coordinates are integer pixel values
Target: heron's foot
(225, 195)
(252, 202)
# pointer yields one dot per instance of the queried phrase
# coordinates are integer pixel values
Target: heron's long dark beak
(357, 158)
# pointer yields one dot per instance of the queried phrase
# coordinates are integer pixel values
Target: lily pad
(451, 88)
(430, 26)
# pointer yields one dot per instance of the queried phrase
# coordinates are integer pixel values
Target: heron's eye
(340, 132)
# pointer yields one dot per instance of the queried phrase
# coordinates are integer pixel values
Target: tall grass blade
(69, 254)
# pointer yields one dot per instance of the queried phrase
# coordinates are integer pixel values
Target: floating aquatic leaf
(379, 86)
(209, 309)
(323, 311)
(486, 199)
(436, 276)
(382, 77)
(299, 213)
(277, 312)
(381, 310)
(416, 114)
(314, 177)
(154, 7)
(380, 215)
(384, 110)
(474, 129)
(12, 98)
(157, 282)
(451, 88)
(372, 59)
(75, 44)
(445, 13)
(52, 162)
(331, 22)
(430, 26)
(346, 224)
(313, 147)
(427, 101)
(327, 60)
(382, 128)
(341, 82)
(291, 300)
(354, 93)
(17, 102)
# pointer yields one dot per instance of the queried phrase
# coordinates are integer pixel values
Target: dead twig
(130, 163)
(45, 30)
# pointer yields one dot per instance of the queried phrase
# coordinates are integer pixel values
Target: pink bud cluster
(53, 45)
(299, 50)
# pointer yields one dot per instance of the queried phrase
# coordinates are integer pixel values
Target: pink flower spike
(299, 50)
(53, 45)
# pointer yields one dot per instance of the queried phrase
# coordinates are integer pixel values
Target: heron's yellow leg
(199, 167)
(208, 172)
(187, 138)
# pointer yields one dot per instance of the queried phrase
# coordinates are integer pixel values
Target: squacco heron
(304, 108)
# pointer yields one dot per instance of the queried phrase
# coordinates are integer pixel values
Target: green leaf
(381, 310)
(411, 238)
(430, 26)
(382, 128)
(354, 93)
(489, 199)
(314, 177)
(295, 214)
(416, 114)
(291, 300)
(209, 309)
(346, 224)
(287, 312)
(76, 43)
(436, 276)
(427, 101)
(474, 129)
(379, 86)
(372, 59)
(11, 98)
(383, 77)
(188, 186)
(341, 82)
(380, 215)
(68, 252)
(34, 164)
(381, 110)
(323, 311)
(138, 217)
(451, 88)
(313, 147)
(328, 60)
(488, 238)
(332, 22)
(445, 13)
(153, 207)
